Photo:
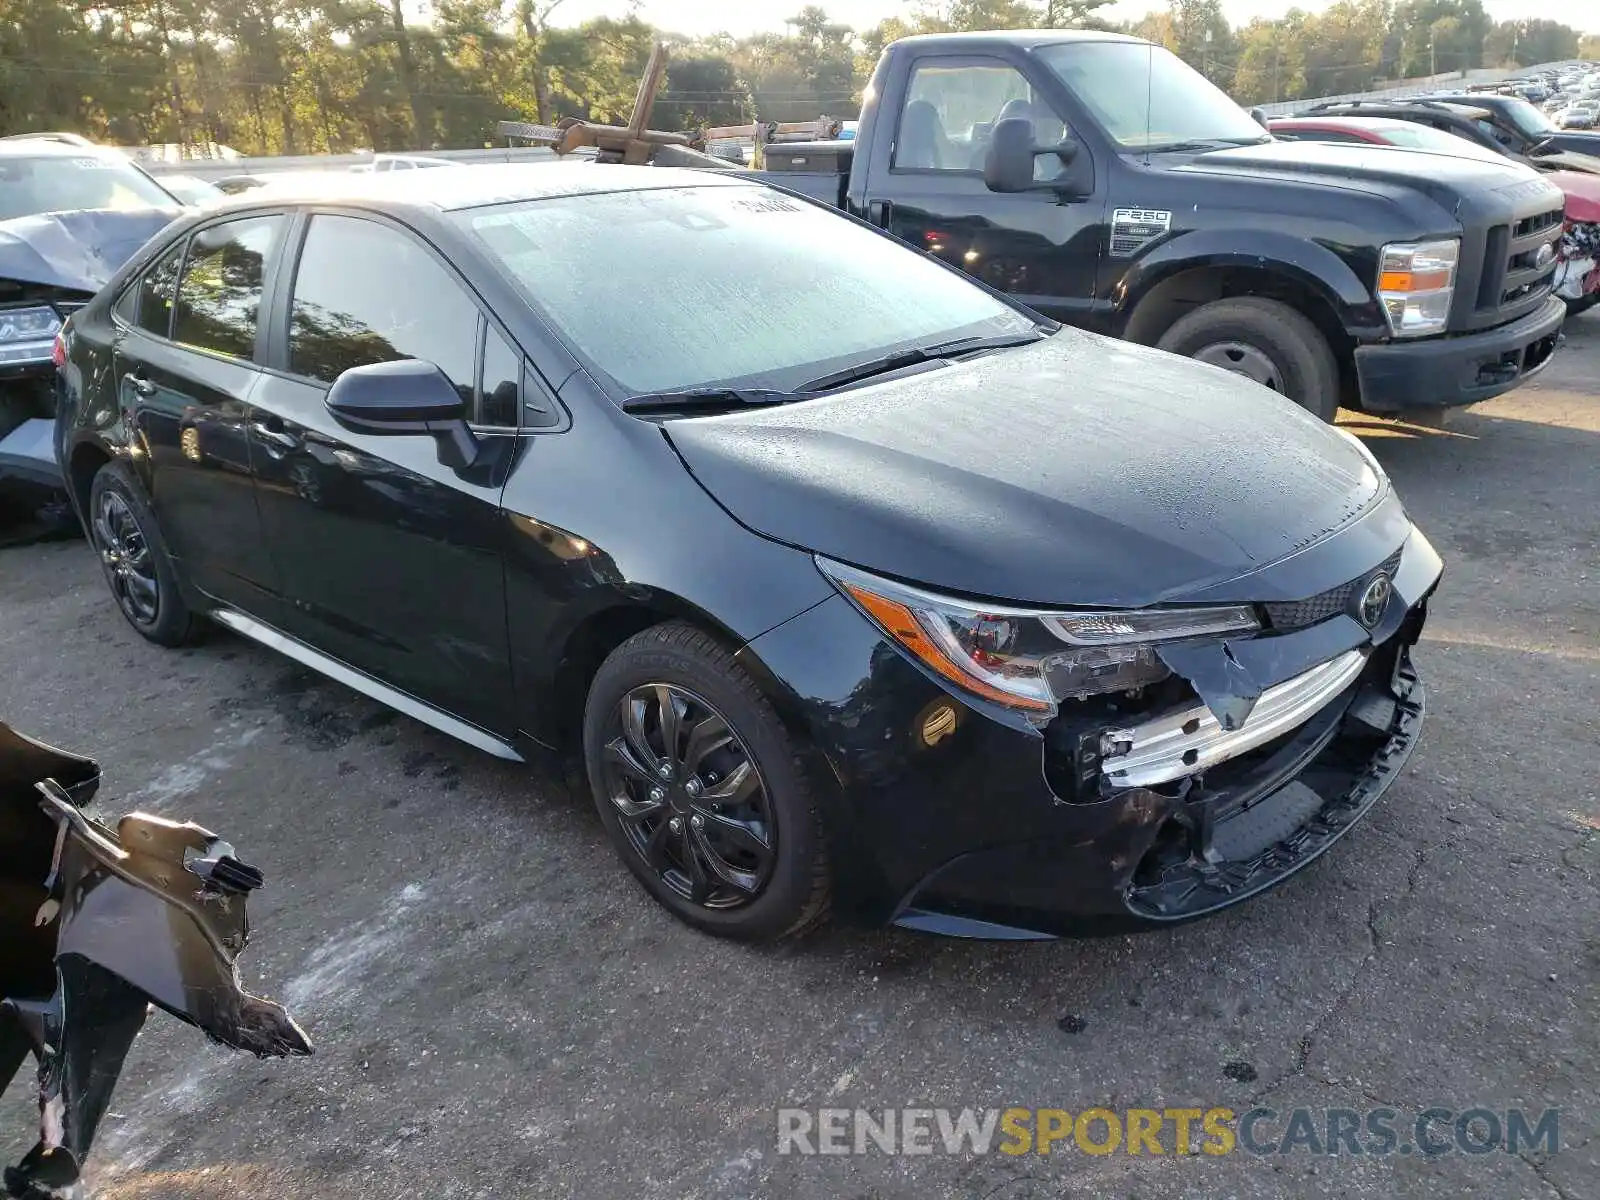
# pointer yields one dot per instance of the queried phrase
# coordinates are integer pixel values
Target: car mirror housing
(407, 396)
(1008, 165)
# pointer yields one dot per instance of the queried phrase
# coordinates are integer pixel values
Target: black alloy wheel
(691, 799)
(134, 557)
(702, 789)
(125, 555)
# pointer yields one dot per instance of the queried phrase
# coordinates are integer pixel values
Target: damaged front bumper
(1095, 823)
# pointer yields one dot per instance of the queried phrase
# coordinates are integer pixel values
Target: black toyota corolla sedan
(856, 586)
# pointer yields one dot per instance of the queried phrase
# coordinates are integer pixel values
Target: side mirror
(1008, 165)
(1259, 116)
(405, 397)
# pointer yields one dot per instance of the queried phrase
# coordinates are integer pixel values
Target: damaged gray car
(71, 213)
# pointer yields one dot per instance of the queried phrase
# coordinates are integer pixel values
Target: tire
(1265, 340)
(751, 864)
(138, 567)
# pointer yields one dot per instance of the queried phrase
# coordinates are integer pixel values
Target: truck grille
(1512, 271)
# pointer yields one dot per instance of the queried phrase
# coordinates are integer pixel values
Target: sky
(695, 17)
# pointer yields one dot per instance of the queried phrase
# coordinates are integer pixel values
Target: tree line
(312, 76)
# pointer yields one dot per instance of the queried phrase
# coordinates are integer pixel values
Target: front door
(926, 186)
(391, 561)
(186, 341)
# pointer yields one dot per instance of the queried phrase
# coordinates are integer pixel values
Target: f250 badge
(1132, 229)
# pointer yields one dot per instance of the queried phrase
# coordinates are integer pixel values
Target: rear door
(187, 331)
(391, 561)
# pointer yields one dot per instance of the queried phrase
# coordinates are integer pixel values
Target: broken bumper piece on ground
(100, 927)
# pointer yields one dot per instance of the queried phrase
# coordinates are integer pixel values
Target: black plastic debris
(100, 927)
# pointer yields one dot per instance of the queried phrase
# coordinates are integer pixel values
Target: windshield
(62, 183)
(1147, 98)
(1424, 137)
(688, 287)
(1528, 118)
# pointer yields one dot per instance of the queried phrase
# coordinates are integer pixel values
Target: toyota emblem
(1546, 256)
(1374, 600)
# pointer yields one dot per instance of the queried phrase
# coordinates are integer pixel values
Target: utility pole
(1433, 54)
(1277, 56)
(1205, 56)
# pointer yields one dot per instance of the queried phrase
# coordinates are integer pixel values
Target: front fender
(1300, 260)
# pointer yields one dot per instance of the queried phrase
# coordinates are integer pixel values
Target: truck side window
(950, 110)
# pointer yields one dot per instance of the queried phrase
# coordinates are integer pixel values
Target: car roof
(1024, 37)
(44, 145)
(1333, 121)
(1430, 105)
(475, 186)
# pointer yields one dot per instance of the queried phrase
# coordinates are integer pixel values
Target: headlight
(27, 334)
(1416, 282)
(1031, 659)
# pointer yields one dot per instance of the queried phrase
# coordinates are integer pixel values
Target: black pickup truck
(1105, 183)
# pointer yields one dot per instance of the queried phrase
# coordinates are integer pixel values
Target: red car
(1577, 278)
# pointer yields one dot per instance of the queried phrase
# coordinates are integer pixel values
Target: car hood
(1351, 166)
(1076, 470)
(1582, 194)
(77, 250)
(1587, 163)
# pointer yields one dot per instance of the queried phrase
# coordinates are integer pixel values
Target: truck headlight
(1416, 282)
(27, 334)
(1031, 659)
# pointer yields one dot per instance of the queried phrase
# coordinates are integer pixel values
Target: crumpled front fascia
(1230, 675)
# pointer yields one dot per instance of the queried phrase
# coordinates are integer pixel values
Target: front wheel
(699, 786)
(1264, 340)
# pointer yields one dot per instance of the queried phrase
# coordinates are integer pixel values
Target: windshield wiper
(710, 397)
(918, 354)
(1205, 144)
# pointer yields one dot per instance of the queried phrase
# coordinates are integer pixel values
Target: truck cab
(1106, 184)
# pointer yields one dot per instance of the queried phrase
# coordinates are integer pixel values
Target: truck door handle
(139, 383)
(879, 212)
(272, 430)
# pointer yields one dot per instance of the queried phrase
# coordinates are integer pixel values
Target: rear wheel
(698, 784)
(1264, 340)
(134, 557)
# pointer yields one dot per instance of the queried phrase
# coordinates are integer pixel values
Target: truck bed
(826, 186)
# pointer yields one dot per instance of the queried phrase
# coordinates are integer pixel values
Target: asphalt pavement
(500, 1011)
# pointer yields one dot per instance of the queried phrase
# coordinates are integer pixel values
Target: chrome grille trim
(1159, 751)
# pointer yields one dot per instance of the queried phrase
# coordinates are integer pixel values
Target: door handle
(139, 383)
(274, 432)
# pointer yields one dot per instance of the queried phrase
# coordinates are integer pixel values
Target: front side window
(1147, 98)
(368, 293)
(950, 110)
(156, 290)
(679, 287)
(501, 386)
(219, 294)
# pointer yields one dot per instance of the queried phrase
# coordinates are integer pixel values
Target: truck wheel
(1264, 340)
